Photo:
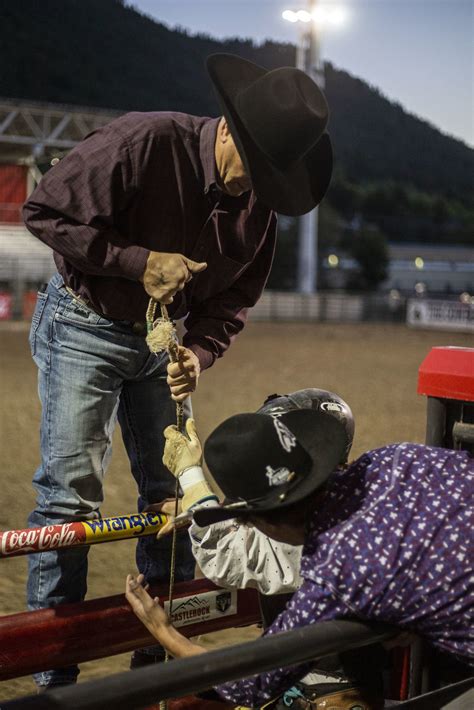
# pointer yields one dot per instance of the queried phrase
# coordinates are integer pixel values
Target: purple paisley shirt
(393, 542)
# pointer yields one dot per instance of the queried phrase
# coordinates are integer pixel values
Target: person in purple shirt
(169, 206)
(387, 538)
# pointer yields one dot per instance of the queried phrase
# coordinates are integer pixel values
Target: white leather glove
(183, 457)
(182, 452)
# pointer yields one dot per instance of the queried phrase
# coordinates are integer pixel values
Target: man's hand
(182, 451)
(183, 375)
(168, 506)
(156, 620)
(165, 274)
(148, 610)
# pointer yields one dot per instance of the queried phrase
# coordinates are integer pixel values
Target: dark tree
(369, 248)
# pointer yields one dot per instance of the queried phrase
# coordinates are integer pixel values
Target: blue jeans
(93, 370)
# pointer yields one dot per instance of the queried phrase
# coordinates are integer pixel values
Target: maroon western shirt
(148, 182)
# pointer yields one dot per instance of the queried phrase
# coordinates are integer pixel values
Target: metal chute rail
(142, 687)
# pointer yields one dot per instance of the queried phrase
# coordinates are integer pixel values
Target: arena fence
(144, 686)
(74, 633)
(328, 306)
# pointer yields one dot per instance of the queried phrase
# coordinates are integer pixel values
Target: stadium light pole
(308, 59)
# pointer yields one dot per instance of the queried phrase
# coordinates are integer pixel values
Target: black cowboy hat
(277, 120)
(263, 462)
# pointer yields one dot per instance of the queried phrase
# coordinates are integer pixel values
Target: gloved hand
(183, 457)
(182, 452)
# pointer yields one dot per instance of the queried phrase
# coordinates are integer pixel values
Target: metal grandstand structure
(32, 133)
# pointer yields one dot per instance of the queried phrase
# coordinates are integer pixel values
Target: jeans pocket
(79, 314)
(41, 300)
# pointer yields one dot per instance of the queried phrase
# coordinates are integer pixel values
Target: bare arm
(154, 617)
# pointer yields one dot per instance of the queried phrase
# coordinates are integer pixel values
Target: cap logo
(278, 476)
(332, 407)
(276, 412)
(287, 439)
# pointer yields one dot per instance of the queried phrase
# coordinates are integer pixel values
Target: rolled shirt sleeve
(241, 557)
(74, 208)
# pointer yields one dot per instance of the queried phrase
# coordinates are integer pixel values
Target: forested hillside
(103, 53)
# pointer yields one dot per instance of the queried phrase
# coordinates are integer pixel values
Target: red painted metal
(13, 183)
(448, 373)
(75, 633)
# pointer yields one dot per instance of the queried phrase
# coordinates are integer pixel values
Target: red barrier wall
(13, 182)
(74, 633)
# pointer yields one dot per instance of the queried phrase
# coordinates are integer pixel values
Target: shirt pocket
(41, 299)
(221, 273)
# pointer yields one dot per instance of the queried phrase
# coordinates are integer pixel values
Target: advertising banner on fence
(441, 315)
(203, 607)
(87, 532)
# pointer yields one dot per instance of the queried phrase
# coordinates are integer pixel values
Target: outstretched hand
(154, 617)
(146, 608)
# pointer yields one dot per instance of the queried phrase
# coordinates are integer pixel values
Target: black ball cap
(265, 462)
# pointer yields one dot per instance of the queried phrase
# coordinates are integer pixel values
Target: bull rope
(161, 335)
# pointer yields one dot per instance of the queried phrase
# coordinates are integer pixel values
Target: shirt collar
(207, 145)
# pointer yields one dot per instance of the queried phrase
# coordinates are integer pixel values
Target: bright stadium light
(304, 16)
(289, 15)
(321, 15)
(312, 23)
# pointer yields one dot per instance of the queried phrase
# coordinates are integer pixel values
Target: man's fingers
(182, 380)
(164, 506)
(177, 372)
(195, 266)
(181, 389)
(139, 591)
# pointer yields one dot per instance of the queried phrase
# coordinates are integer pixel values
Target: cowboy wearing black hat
(385, 538)
(176, 207)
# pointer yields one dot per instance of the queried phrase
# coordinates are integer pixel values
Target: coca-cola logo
(49, 537)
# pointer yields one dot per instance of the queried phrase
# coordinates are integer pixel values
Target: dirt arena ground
(373, 366)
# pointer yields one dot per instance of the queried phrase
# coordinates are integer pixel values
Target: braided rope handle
(172, 348)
